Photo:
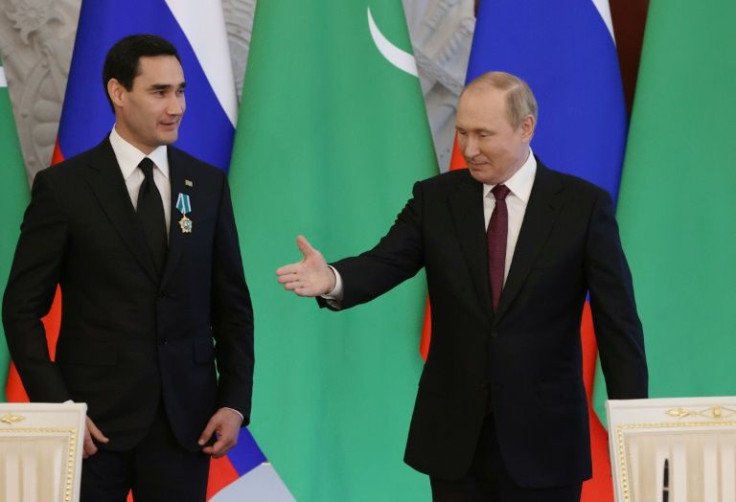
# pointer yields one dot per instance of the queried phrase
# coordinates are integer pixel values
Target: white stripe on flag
(604, 9)
(203, 23)
(3, 82)
(262, 483)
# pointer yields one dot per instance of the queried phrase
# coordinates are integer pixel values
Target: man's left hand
(225, 424)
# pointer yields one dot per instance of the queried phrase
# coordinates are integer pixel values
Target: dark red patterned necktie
(498, 229)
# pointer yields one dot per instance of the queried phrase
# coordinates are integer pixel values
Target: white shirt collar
(522, 181)
(129, 156)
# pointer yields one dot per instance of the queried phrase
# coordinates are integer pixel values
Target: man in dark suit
(511, 249)
(157, 326)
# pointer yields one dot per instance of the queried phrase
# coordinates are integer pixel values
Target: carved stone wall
(37, 38)
(441, 34)
(36, 41)
(239, 24)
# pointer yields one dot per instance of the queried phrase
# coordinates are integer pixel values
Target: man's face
(492, 147)
(148, 115)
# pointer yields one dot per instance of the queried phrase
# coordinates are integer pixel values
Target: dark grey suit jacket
(128, 338)
(526, 358)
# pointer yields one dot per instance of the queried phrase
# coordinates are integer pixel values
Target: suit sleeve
(33, 280)
(617, 326)
(397, 257)
(232, 314)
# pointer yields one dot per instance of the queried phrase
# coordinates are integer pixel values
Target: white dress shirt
(129, 157)
(520, 185)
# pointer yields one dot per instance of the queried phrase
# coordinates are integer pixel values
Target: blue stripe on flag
(260, 484)
(565, 52)
(245, 455)
(206, 132)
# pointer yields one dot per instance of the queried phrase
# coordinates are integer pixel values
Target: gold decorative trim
(660, 425)
(716, 412)
(12, 418)
(71, 437)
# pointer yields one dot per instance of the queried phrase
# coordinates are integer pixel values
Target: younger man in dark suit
(510, 249)
(157, 326)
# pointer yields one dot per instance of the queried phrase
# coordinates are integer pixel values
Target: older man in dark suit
(511, 248)
(157, 326)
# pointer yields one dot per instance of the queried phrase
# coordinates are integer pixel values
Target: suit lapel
(466, 207)
(178, 173)
(107, 183)
(540, 215)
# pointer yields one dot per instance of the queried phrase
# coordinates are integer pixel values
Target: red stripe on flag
(222, 473)
(599, 488)
(57, 155)
(426, 332)
(457, 161)
(14, 390)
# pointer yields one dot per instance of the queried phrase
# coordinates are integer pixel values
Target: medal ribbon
(184, 204)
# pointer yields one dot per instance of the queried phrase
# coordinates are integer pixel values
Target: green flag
(13, 200)
(677, 205)
(331, 137)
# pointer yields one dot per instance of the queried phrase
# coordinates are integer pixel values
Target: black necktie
(150, 211)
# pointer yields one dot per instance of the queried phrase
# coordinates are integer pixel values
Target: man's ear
(528, 125)
(115, 90)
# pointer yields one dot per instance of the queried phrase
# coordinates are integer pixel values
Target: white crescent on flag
(397, 57)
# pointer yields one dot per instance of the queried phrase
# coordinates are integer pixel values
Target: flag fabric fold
(677, 207)
(332, 135)
(572, 67)
(14, 195)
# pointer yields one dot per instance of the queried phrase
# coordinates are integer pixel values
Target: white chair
(41, 451)
(673, 450)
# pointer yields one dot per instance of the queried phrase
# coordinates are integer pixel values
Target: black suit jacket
(128, 338)
(527, 357)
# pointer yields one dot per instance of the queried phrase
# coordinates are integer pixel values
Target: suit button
(494, 334)
(164, 341)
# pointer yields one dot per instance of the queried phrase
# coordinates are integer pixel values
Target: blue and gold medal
(184, 205)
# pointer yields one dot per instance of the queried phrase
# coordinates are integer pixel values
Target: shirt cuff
(242, 418)
(336, 293)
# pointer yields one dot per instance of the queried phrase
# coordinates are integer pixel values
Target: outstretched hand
(309, 277)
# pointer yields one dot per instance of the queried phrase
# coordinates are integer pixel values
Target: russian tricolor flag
(566, 52)
(197, 29)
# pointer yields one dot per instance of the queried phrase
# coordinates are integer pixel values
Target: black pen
(666, 482)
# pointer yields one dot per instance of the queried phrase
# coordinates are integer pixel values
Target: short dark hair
(123, 59)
